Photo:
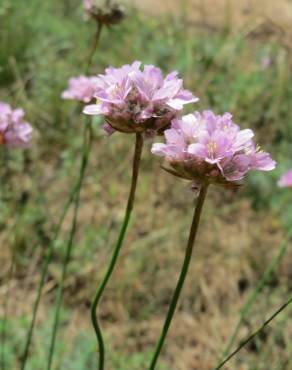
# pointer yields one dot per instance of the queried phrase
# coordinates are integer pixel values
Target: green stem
(45, 267)
(99, 292)
(3, 154)
(57, 230)
(7, 299)
(251, 337)
(94, 46)
(254, 294)
(183, 274)
(5, 308)
(84, 161)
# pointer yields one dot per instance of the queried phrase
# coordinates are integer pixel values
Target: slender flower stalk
(117, 249)
(19, 215)
(183, 274)
(254, 294)
(94, 45)
(6, 308)
(15, 133)
(44, 272)
(84, 161)
(256, 333)
(82, 95)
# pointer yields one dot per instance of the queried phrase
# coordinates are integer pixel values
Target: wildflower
(210, 149)
(139, 101)
(266, 62)
(14, 131)
(286, 180)
(104, 12)
(81, 88)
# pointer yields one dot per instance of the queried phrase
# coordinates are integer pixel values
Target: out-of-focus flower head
(211, 149)
(286, 180)
(139, 101)
(104, 11)
(81, 88)
(266, 62)
(14, 131)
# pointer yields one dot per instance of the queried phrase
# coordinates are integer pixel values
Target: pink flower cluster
(81, 88)
(136, 101)
(211, 149)
(14, 131)
(286, 180)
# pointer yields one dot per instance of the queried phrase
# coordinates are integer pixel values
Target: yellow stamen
(258, 149)
(212, 147)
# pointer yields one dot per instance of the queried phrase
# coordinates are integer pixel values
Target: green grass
(42, 44)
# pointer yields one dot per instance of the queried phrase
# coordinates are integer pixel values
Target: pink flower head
(88, 5)
(286, 180)
(14, 131)
(210, 149)
(81, 88)
(134, 100)
(266, 61)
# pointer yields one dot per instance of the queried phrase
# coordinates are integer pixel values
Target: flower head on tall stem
(139, 101)
(211, 149)
(105, 12)
(286, 180)
(206, 149)
(14, 130)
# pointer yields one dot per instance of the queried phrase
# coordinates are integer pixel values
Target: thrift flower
(139, 101)
(104, 12)
(81, 88)
(286, 180)
(14, 131)
(210, 149)
(266, 61)
(88, 5)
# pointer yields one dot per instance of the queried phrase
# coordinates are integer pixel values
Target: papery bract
(104, 12)
(211, 149)
(138, 101)
(286, 180)
(14, 131)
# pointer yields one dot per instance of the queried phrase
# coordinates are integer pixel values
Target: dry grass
(234, 247)
(221, 13)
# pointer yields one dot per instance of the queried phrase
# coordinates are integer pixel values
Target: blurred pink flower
(210, 149)
(88, 5)
(266, 61)
(81, 88)
(14, 131)
(132, 100)
(286, 180)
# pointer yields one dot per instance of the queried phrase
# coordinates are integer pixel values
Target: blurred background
(236, 56)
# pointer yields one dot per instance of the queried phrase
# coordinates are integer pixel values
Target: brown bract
(201, 173)
(108, 15)
(155, 125)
